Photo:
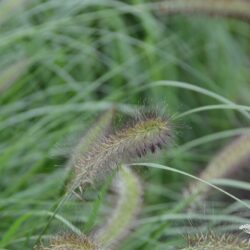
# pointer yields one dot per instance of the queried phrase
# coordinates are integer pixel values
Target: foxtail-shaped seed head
(238, 9)
(147, 133)
(98, 130)
(70, 242)
(211, 241)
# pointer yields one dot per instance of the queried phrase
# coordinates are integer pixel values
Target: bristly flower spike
(211, 241)
(238, 9)
(70, 242)
(147, 133)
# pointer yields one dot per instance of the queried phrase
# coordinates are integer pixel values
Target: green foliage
(65, 62)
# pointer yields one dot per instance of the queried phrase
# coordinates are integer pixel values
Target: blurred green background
(65, 62)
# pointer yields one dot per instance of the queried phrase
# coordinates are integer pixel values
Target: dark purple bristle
(138, 153)
(152, 148)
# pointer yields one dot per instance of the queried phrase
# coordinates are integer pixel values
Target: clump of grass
(91, 53)
(212, 241)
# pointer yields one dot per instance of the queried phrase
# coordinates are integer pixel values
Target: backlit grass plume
(122, 218)
(147, 133)
(229, 160)
(211, 241)
(239, 9)
(70, 242)
(93, 135)
(98, 130)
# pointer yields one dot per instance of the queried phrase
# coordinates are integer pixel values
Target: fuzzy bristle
(146, 134)
(70, 242)
(212, 241)
(99, 129)
(93, 136)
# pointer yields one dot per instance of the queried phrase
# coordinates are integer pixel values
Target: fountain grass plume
(147, 133)
(128, 191)
(70, 242)
(229, 160)
(238, 9)
(98, 130)
(211, 241)
(93, 135)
